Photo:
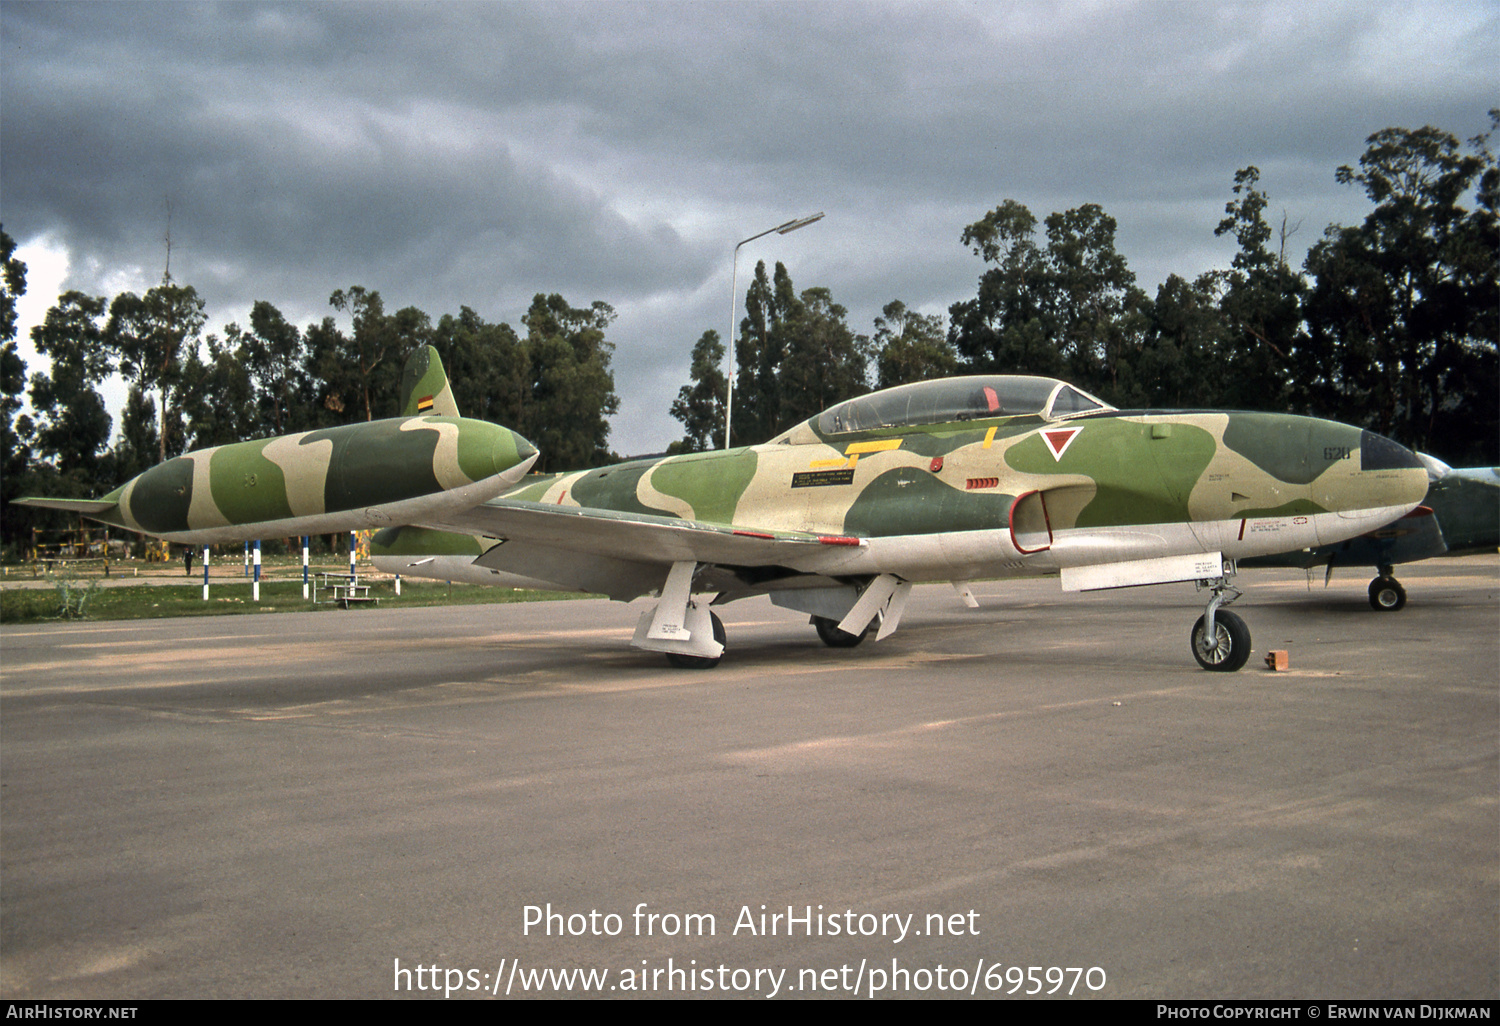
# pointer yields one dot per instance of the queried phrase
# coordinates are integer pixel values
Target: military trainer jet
(954, 480)
(943, 481)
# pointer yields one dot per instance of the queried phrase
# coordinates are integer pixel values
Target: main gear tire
(828, 630)
(1387, 595)
(692, 662)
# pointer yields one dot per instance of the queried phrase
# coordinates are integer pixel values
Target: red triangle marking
(1058, 440)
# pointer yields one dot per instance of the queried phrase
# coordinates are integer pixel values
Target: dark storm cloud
(474, 154)
(281, 154)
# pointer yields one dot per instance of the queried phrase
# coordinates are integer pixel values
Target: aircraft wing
(87, 507)
(625, 555)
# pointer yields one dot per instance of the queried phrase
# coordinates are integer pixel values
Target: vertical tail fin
(424, 386)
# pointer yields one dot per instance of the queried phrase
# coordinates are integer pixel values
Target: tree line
(1391, 324)
(551, 381)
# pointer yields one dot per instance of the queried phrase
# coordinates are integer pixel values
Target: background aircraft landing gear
(1386, 593)
(1220, 639)
(828, 630)
(687, 662)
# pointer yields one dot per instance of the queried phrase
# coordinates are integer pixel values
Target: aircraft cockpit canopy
(950, 399)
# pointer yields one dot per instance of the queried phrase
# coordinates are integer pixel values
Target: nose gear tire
(1228, 650)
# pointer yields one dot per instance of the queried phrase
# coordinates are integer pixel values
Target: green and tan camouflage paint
(352, 467)
(1107, 469)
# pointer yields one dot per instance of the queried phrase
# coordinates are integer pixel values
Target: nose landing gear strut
(1220, 639)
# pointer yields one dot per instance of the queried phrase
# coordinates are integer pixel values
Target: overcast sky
(469, 154)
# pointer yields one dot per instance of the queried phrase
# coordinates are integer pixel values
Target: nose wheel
(1386, 593)
(1227, 648)
(1220, 639)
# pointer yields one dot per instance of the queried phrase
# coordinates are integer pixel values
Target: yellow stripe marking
(884, 445)
(989, 437)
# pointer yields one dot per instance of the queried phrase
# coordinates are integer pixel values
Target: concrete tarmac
(389, 802)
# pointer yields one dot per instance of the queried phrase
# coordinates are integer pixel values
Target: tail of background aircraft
(424, 386)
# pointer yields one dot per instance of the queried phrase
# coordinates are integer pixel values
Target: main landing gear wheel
(688, 662)
(828, 630)
(1229, 649)
(1387, 595)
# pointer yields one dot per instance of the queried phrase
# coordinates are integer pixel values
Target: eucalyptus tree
(910, 346)
(151, 335)
(218, 397)
(1008, 327)
(700, 405)
(572, 388)
(1070, 309)
(74, 428)
(1406, 306)
(796, 356)
(15, 426)
(824, 362)
(1098, 315)
(14, 433)
(1261, 300)
(275, 354)
(488, 368)
(1181, 365)
(347, 364)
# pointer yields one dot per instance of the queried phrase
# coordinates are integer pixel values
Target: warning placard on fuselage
(823, 478)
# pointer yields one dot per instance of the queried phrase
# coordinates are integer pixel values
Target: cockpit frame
(976, 397)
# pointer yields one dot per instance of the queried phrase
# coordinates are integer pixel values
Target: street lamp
(734, 285)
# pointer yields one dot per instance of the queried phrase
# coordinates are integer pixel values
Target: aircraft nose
(1377, 452)
(1382, 482)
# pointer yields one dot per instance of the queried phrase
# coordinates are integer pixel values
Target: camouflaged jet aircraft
(942, 481)
(1460, 516)
(410, 469)
(954, 481)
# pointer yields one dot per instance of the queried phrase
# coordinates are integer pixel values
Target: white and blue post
(351, 557)
(205, 573)
(255, 588)
(304, 566)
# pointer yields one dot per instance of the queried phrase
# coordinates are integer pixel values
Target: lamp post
(734, 285)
